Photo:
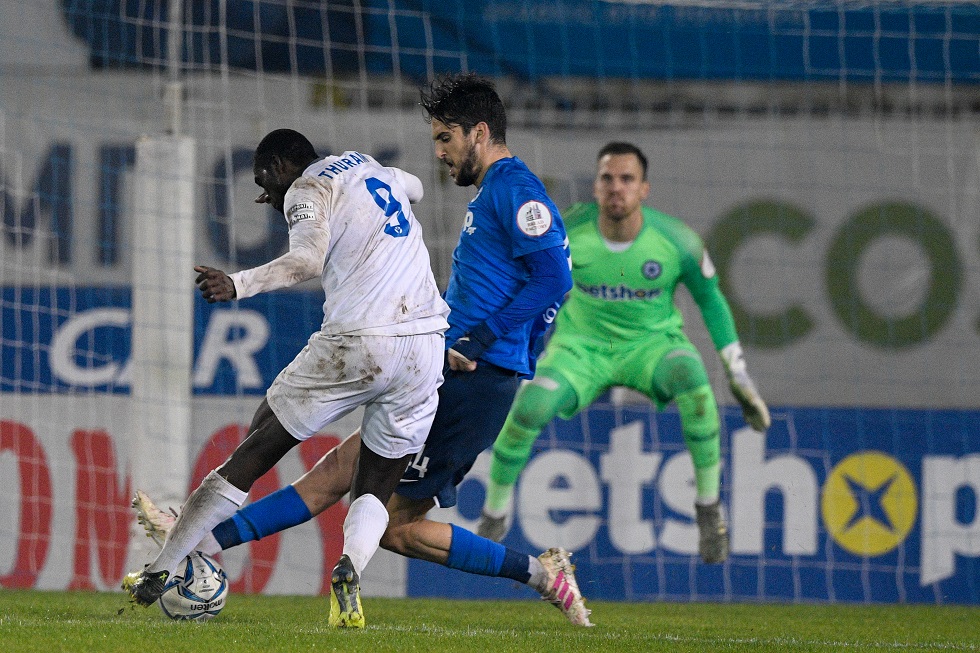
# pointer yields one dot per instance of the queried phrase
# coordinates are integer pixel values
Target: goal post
(161, 358)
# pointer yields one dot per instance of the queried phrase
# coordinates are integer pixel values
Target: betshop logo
(869, 503)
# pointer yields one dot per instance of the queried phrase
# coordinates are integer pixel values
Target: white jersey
(350, 220)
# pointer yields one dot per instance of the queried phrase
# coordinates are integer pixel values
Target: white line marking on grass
(600, 635)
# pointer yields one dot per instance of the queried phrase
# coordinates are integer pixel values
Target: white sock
(539, 575)
(707, 477)
(366, 522)
(214, 501)
(209, 545)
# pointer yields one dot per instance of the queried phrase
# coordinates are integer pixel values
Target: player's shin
(477, 555)
(212, 502)
(512, 450)
(700, 428)
(276, 512)
(510, 455)
(536, 404)
(366, 522)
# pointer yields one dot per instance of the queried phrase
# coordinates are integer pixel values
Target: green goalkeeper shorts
(593, 367)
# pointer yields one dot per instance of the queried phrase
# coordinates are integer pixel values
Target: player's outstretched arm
(308, 243)
(701, 279)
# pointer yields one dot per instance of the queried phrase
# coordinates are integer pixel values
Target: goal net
(825, 151)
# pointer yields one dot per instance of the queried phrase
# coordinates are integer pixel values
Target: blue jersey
(510, 216)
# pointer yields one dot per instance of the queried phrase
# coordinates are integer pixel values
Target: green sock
(700, 428)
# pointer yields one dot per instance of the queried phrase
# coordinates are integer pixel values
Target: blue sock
(478, 555)
(278, 511)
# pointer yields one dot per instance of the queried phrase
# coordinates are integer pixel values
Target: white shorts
(395, 378)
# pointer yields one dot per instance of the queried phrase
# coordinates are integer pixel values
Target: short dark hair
(289, 144)
(465, 99)
(617, 147)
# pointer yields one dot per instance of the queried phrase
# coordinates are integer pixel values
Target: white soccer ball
(197, 591)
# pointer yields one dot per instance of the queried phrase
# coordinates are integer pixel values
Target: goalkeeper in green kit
(620, 327)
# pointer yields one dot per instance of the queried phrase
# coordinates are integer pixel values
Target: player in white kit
(380, 346)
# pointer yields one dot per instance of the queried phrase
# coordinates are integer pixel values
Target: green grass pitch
(79, 621)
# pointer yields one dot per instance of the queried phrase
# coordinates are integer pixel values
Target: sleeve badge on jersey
(534, 218)
(299, 212)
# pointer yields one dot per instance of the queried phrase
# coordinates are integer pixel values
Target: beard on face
(616, 213)
(466, 172)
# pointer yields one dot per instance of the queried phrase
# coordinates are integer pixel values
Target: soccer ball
(197, 591)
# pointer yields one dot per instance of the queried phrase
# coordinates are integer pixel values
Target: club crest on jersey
(534, 218)
(652, 269)
(299, 212)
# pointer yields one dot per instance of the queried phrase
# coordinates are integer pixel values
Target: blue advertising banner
(70, 339)
(832, 504)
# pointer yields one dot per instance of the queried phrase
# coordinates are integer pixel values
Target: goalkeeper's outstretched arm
(702, 280)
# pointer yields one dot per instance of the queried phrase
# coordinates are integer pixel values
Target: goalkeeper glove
(473, 344)
(754, 410)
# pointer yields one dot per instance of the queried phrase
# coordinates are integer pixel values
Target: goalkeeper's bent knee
(536, 404)
(540, 400)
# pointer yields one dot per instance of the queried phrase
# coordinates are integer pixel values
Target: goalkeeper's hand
(754, 409)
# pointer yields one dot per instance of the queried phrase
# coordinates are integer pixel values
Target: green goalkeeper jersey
(619, 297)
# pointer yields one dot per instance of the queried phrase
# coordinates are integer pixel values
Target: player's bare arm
(215, 285)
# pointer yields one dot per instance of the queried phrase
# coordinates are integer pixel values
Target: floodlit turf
(66, 621)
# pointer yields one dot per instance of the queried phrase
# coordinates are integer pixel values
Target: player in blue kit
(510, 269)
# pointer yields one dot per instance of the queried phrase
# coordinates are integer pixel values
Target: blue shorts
(472, 409)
